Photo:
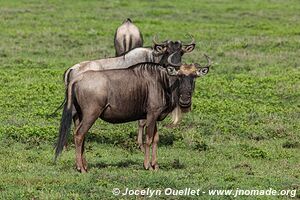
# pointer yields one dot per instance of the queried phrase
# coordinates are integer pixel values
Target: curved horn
(208, 61)
(201, 71)
(155, 41)
(193, 39)
(170, 61)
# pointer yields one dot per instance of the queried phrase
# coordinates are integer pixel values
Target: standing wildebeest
(149, 92)
(127, 37)
(165, 53)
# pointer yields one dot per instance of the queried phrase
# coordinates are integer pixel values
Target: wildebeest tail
(67, 76)
(66, 121)
(127, 20)
(58, 108)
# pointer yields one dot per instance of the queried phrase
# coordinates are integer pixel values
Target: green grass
(244, 128)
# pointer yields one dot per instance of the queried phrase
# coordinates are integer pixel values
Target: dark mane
(169, 83)
(146, 65)
(149, 68)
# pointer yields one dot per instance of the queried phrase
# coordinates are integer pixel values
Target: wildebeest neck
(170, 84)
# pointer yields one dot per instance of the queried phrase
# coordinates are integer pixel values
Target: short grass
(243, 132)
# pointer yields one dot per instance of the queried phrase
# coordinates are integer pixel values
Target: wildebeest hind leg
(76, 119)
(150, 127)
(141, 128)
(154, 149)
(88, 119)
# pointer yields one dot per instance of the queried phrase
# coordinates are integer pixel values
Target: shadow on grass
(138, 165)
(175, 164)
(121, 164)
(166, 139)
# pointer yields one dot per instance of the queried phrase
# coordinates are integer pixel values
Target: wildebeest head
(172, 51)
(187, 74)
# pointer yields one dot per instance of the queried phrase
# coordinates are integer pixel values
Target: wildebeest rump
(127, 37)
(149, 92)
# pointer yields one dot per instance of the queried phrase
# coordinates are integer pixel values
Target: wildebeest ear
(202, 71)
(188, 48)
(172, 71)
(160, 48)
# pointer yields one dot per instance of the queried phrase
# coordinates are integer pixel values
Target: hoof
(155, 167)
(81, 170)
(85, 166)
(147, 166)
(142, 148)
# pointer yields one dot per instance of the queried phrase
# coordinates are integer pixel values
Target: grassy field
(243, 131)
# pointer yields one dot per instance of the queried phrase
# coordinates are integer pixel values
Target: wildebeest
(127, 37)
(165, 53)
(149, 92)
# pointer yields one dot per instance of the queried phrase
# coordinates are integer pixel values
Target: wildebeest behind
(127, 37)
(165, 53)
(149, 92)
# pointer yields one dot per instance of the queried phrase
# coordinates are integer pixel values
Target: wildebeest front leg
(141, 127)
(154, 149)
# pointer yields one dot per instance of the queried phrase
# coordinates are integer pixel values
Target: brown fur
(148, 93)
